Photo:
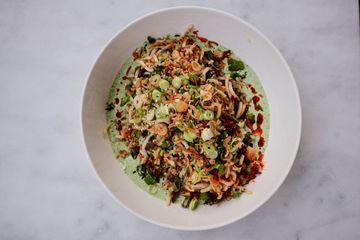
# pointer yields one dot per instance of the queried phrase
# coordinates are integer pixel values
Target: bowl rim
(295, 146)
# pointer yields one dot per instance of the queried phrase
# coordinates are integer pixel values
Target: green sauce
(129, 164)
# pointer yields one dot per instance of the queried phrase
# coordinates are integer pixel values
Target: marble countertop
(47, 187)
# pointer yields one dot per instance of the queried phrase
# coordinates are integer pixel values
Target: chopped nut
(160, 129)
(181, 106)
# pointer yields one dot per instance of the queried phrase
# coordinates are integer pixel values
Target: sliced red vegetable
(202, 39)
(118, 114)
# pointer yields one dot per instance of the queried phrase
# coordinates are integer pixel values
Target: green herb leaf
(124, 100)
(193, 78)
(220, 150)
(223, 135)
(141, 170)
(236, 194)
(209, 54)
(193, 87)
(134, 152)
(165, 145)
(200, 108)
(151, 39)
(176, 184)
(149, 180)
(235, 65)
(109, 106)
(157, 70)
(247, 139)
(204, 196)
(248, 170)
(176, 129)
(260, 107)
(221, 168)
(233, 75)
(140, 112)
(250, 117)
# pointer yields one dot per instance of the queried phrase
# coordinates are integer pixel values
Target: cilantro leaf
(235, 65)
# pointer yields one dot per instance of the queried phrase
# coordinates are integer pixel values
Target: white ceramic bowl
(257, 51)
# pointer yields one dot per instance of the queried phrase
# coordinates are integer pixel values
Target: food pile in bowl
(188, 120)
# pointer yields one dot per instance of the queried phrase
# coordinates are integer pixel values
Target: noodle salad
(187, 120)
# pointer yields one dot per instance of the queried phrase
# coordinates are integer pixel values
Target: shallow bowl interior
(249, 44)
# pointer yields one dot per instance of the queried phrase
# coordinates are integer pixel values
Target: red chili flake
(261, 158)
(259, 119)
(258, 131)
(202, 39)
(249, 125)
(256, 99)
(116, 100)
(252, 89)
(118, 114)
(261, 142)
